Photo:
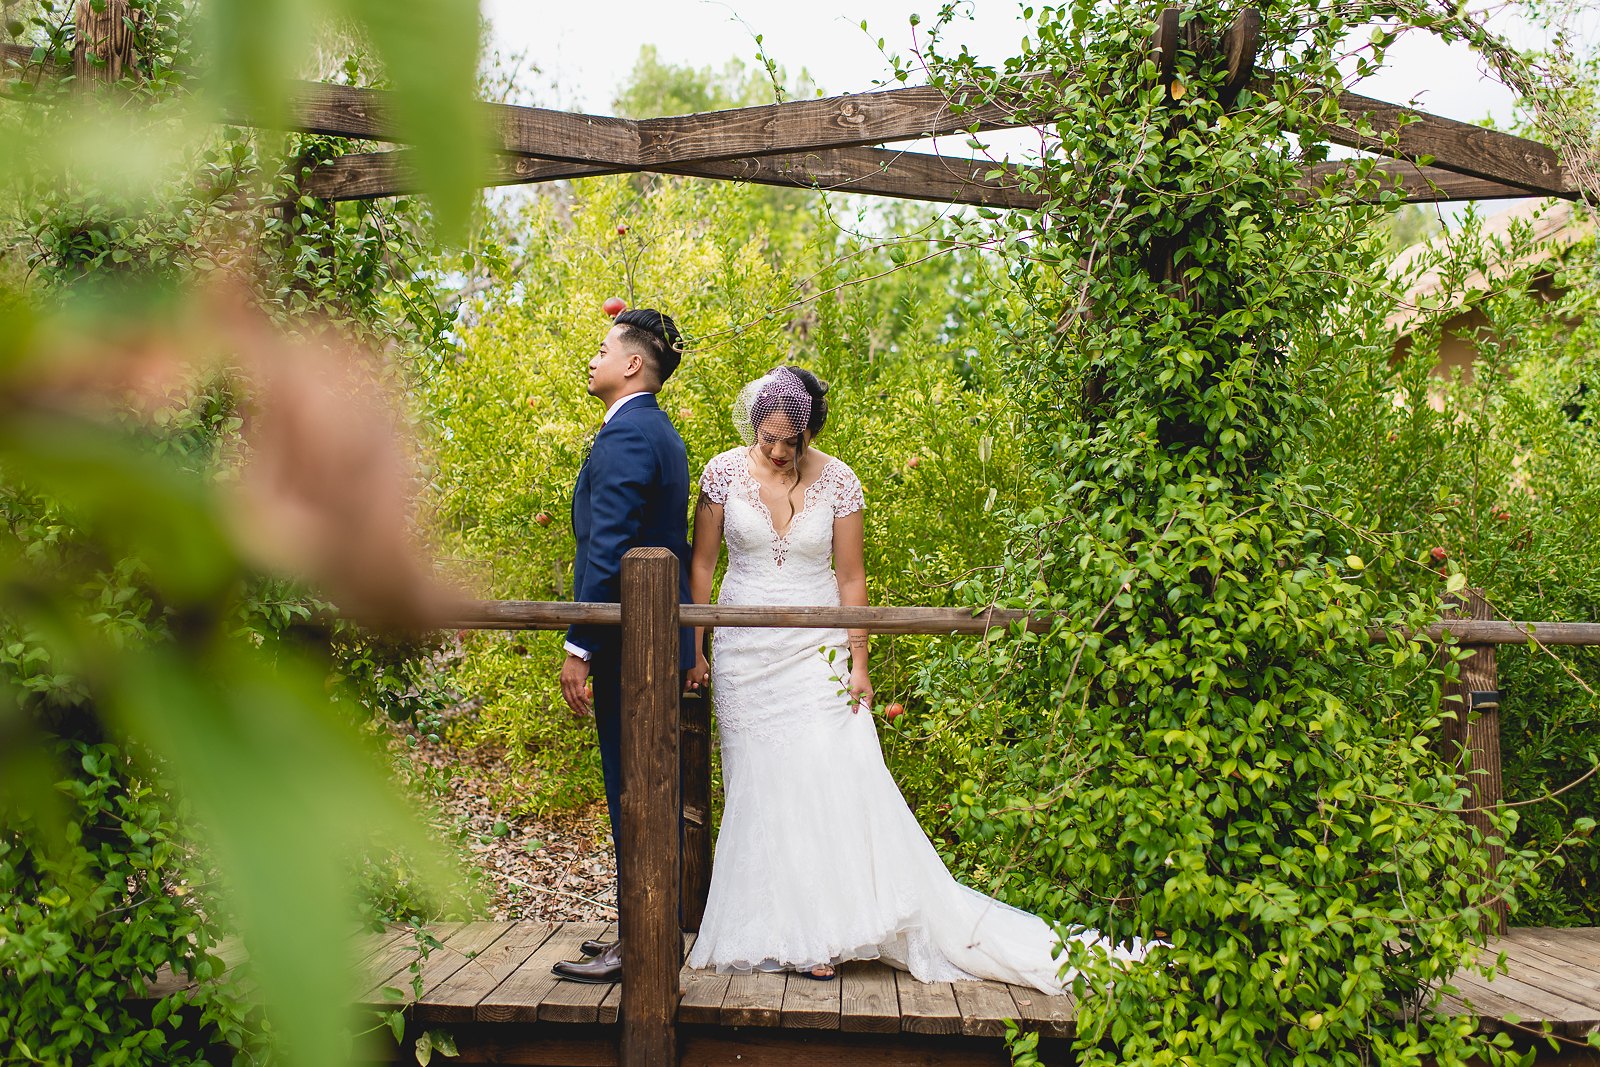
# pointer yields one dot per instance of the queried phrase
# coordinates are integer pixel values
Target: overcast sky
(587, 49)
(584, 51)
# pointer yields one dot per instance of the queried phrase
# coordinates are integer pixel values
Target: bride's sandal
(811, 972)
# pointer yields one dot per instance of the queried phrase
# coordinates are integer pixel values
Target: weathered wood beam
(882, 172)
(877, 171)
(796, 126)
(647, 834)
(20, 56)
(366, 114)
(370, 175)
(558, 615)
(814, 125)
(874, 171)
(1419, 184)
(1461, 147)
(1164, 43)
(1241, 44)
(679, 143)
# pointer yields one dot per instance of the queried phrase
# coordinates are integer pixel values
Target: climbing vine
(1212, 750)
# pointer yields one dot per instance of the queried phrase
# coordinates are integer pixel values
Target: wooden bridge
(490, 984)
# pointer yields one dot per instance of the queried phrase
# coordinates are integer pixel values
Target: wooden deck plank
(811, 1005)
(700, 992)
(1577, 947)
(454, 999)
(390, 967)
(1504, 998)
(1543, 1003)
(985, 1007)
(371, 942)
(518, 996)
(754, 999)
(577, 1002)
(457, 948)
(927, 1007)
(1529, 963)
(500, 972)
(1475, 998)
(611, 1006)
(869, 1001)
(1051, 1015)
(703, 994)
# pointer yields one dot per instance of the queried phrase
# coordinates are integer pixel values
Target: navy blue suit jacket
(633, 492)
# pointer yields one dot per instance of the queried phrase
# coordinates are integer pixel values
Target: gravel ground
(556, 868)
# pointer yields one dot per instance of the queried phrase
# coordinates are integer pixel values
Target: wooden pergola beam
(641, 144)
(1407, 134)
(830, 127)
(861, 119)
(1432, 185)
(816, 136)
(875, 171)
(633, 144)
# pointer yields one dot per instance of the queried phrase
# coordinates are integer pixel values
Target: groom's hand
(574, 685)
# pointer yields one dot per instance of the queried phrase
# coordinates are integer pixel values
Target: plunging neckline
(805, 499)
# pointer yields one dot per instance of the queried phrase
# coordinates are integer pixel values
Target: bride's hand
(699, 675)
(860, 688)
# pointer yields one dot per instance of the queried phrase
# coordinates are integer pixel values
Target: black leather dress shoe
(602, 970)
(593, 947)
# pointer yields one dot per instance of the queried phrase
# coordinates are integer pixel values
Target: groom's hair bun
(656, 335)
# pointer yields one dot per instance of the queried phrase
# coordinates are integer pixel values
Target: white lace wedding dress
(819, 859)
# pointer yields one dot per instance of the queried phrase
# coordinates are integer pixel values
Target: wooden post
(695, 877)
(103, 50)
(648, 873)
(1473, 738)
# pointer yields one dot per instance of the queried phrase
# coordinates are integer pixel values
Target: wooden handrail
(555, 615)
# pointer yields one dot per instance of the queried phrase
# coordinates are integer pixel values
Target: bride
(819, 860)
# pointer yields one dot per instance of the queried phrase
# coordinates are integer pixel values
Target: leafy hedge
(1209, 749)
(914, 407)
(169, 750)
(1495, 471)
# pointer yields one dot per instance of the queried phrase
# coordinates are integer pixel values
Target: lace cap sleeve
(717, 477)
(847, 493)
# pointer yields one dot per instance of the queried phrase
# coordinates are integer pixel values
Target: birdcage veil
(778, 391)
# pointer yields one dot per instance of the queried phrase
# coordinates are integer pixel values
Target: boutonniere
(588, 445)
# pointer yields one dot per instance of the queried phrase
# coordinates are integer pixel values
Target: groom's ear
(642, 368)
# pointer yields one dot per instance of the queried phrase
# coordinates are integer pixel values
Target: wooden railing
(664, 838)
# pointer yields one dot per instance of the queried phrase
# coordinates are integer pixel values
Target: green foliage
(429, 49)
(169, 751)
(96, 895)
(1411, 224)
(1494, 469)
(914, 408)
(1208, 749)
(656, 88)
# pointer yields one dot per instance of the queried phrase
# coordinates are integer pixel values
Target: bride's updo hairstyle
(657, 336)
(819, 399)
(798, 395)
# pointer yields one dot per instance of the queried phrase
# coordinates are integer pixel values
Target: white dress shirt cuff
(581, 653)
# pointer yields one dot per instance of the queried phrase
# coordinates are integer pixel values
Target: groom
(632, 492)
